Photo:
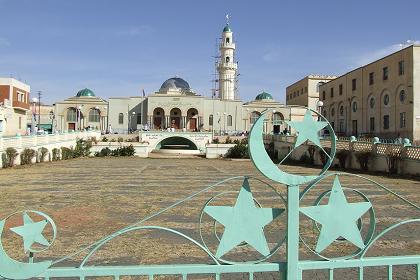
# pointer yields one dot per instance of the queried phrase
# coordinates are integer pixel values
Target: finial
(227, 19)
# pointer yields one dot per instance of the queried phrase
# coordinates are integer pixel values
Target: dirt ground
(91, 198)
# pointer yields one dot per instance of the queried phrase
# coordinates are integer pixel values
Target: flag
(144, 94)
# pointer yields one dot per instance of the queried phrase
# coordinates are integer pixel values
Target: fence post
(293, 233)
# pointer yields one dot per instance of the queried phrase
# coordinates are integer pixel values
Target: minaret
(227, 65)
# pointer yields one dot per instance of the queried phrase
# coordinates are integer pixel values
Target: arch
(192, 119)
(278, 119)
(158, 117)
(254, 116)
(211, 119)
(94, 115)
(176, 143)
(229, 120)
(71, 114)
(398, 90)
(175, 118)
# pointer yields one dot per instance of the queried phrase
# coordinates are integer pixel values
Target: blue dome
(175, 83)
(227, 28)
(85, 92)
(264, 96)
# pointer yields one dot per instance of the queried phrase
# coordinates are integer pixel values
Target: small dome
(85, 92)
(264, 96)
(175, 83)
(227, 28)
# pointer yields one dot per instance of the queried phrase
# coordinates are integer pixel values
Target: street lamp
(218, 121)
(224, 123)
(34, 100)
(319, 106)
(79, 113)
(52, 117)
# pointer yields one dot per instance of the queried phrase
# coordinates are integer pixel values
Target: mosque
(176, 106)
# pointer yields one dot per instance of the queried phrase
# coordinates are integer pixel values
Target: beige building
(14, 101)
(41, 116)
(305, 92)
(378, 99)
(84, 110)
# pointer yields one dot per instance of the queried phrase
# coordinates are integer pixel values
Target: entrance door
(157, 122)
(354, 128)
(175, 122)
(72, 126)
(193, 124)
(276, 129)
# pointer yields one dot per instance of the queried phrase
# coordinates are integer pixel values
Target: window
(120, 118)
(354, 107)
(287, 97)
(372, 102)
(402, 96)
(227, 59)
(20, 122)
(371, 80)
(94, 115)
(211, 120)
(306, 89)
(227, 40)
(323, 95)
(332, 112)
(332, 92)
(372, 124)
(254, 116)
(139, 118)
(385, 73)
(386, 99)
(353, 84)
(341, 126)
(401, 68)
(386, 122)
(301, 91)
(341, 110)
(340, 89)
(354, 127)
(229, 120)
(71, 115)
(294, 94)
(402, 120)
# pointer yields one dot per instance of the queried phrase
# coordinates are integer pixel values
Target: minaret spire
(227, 65)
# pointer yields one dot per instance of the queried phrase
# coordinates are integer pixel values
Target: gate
(337, 217)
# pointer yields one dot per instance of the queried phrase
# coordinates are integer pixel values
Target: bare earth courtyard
(93, 197)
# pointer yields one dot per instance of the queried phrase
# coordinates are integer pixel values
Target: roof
(264, 96)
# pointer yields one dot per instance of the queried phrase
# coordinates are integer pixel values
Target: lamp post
(130, 119)
(52, 117)
(33, 119)
(220, 126)
(79, 114)
(224, 123)
(319, 106)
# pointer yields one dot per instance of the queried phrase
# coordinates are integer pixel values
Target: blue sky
(117, 48)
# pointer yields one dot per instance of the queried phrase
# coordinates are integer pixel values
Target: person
(110, 129)
(28, 131)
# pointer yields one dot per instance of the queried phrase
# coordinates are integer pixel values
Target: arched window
(120, 118)
(254, 116)
(71, 115)
(211, 120)
(94, 115)
(227, 59)
(402, 96)
(229, 120)
(227, 40)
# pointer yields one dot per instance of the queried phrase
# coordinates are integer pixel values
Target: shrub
(82, 148)
(120, 139)
(238, 151)
(311, 153)
(26, 156)
(67, 153)
(323, 156)
(55, 154)
(105, 152)
(342, 156)
(93, 140)
(228, 140)
(42, 152)
(305, 159)
(363, 158)
(9, 157)
(216, 141)
(126, 151)
(104, 139)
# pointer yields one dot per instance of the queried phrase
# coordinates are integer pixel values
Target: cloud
(4, 42)
(371, 56)
(136, 30)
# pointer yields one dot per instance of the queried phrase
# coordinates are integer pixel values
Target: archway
(278, 119)
(177, 145)
(192, 119)
(158, 115)
(175, 115)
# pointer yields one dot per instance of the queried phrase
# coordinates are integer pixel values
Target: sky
(119, 48)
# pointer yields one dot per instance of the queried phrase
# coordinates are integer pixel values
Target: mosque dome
(85, 92)
(227, 28)
(175, 83)
(264, 96)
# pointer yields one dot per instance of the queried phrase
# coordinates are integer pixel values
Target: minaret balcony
(228, 65)
(228, 45)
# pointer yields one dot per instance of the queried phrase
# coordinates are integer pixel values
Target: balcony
(20, 105)
(227, 45)
(230, 65)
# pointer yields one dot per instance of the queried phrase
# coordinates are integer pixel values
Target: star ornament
(244, 222)
(338, 218)
(307, 129)
(31, 232)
